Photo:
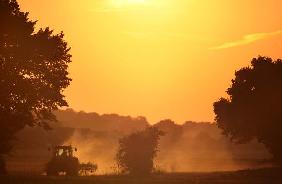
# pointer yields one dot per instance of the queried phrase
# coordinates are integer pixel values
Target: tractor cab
(63, 161)
(63, 151)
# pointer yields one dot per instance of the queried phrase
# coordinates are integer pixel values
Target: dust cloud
(200, 147)
(96, 147)
(190, 147)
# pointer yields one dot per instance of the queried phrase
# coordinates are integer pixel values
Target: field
(261, 176)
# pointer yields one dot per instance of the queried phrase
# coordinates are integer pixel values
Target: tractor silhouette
(64, 162)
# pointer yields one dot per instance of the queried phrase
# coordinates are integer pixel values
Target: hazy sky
(159, 58)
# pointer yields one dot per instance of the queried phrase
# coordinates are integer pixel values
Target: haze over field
(193, 146)
(159, 58)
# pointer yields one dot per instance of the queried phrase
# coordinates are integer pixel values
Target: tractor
(64, 162)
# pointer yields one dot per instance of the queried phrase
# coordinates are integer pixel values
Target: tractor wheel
(72, 167)
(51, 169)
(72, 172)
(52, 173)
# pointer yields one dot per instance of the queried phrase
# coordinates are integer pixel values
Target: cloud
(247, 39)
(163, 35)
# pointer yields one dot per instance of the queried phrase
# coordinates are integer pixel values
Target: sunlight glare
(122, 3)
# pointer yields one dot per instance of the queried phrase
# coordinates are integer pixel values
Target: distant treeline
(191, 146)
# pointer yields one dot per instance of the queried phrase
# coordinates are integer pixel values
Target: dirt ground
(261, 176)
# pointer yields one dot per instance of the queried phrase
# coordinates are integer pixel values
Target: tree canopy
(254, 106)
(137, 151)
(33, 73)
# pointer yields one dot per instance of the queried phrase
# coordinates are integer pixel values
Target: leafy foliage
(137, 151)
(33, 73)
(254, 106)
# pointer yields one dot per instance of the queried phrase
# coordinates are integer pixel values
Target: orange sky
(159, 58)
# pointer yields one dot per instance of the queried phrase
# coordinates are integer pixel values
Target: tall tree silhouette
(137, 151)
(33, 73)
(254, 106)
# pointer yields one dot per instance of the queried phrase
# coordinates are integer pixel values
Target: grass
(260, 176)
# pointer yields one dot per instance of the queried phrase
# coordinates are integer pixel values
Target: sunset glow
(140, 91)
(159, 58)
(127, 2)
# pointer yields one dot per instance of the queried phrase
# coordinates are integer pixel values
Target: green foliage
(137, 151)
(33, 73)
(254, 106)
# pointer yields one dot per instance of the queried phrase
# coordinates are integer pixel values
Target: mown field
(261, 176)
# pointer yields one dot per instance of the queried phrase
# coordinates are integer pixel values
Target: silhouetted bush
(137, 151)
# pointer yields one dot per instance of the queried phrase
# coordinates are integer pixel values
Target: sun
(122, 3)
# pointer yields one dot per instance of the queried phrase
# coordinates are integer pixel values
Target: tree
(137, 151)
(33, 73)
(254, 107)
